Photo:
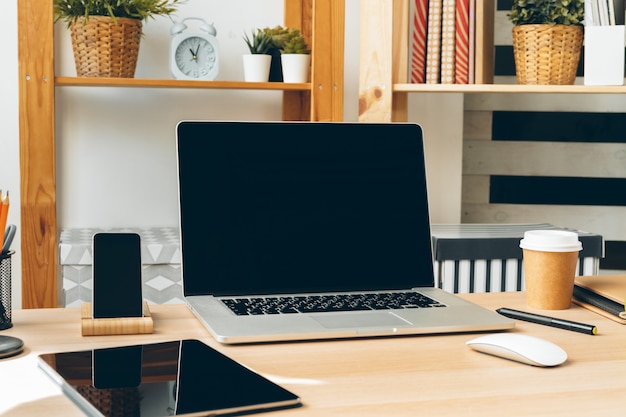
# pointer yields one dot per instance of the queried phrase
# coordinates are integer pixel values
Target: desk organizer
(5, 291)
(115, 326)
(160, 256)
(487, 257)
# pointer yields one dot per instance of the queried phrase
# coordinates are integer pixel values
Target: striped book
(448, 29)
(472, 42)
(461, 64)
(433, 42)
(418, 42)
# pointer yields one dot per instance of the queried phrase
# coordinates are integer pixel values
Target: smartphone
(117, 275)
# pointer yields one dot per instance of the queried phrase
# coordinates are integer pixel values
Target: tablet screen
(164, 379)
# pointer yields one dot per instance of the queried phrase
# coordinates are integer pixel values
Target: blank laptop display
(300, 230)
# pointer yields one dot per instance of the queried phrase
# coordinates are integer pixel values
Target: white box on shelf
(160, 257)
(604, 55)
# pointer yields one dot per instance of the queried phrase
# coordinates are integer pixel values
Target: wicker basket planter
(104, 47)
(547, 54)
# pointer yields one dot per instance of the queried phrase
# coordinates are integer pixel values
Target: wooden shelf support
(37, 154)
(321, 21)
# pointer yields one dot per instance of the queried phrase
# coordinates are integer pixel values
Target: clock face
(196, 57)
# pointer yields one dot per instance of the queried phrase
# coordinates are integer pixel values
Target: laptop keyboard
(329, 303)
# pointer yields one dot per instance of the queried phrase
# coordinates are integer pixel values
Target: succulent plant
(295, 44)
(259, 42)
(563, 12)
(288, 40)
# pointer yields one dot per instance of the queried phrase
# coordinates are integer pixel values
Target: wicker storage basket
(547, 54)
(104, 47)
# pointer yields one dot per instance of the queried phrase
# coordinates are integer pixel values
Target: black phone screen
(117, 275)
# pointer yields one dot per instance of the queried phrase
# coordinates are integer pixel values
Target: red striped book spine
(418, 42)
(472, 41)
(462, 42)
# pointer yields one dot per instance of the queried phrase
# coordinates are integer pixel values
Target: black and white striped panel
(558, 158)
(492, 275)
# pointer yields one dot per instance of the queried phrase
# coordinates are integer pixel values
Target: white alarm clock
(194, 53)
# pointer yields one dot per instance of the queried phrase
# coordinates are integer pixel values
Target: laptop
(311, 230)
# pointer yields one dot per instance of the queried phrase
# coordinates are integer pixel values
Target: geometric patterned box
(472, 258)
(160, 258)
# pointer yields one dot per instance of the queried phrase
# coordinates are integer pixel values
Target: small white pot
(256, 67)
(295, 67)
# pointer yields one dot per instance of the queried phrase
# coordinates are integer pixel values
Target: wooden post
(37, 153)
(375, 80)
(400, 59)
(383, 60)
(322, 23)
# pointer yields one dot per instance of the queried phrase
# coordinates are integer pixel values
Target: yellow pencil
(4, 214)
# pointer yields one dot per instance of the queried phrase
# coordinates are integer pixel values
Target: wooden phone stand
(116, 325)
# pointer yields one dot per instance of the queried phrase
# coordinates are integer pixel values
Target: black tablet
(183, 377)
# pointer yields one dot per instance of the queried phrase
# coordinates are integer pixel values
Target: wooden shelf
(321, 21)
(164, 83)
(508, 88)
(384, 36)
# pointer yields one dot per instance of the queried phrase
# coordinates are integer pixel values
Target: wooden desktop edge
(559, 392)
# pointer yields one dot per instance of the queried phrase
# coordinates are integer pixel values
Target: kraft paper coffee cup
(550, 258)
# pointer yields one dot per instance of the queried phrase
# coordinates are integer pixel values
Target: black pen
(548, 321)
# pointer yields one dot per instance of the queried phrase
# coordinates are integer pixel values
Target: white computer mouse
(521, 348)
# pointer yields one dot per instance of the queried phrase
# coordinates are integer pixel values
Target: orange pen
(4, 213)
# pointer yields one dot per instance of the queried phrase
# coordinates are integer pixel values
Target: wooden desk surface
(419, 375)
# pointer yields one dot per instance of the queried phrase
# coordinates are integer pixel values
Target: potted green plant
(294, 43)
(288, 41)
(113, 28)
(295, 57)
(276, 32)
(259, 42)
(256, 65)
(547, 40)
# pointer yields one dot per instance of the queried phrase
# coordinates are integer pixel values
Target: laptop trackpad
(356, 320)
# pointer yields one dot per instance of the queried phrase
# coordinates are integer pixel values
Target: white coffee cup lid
(551, 241)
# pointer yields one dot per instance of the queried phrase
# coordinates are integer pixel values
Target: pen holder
(5, 291)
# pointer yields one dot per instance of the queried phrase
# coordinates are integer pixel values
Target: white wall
(115, 146)
(9, 131)
(107, 136)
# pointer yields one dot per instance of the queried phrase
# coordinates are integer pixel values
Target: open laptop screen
(284, 207)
